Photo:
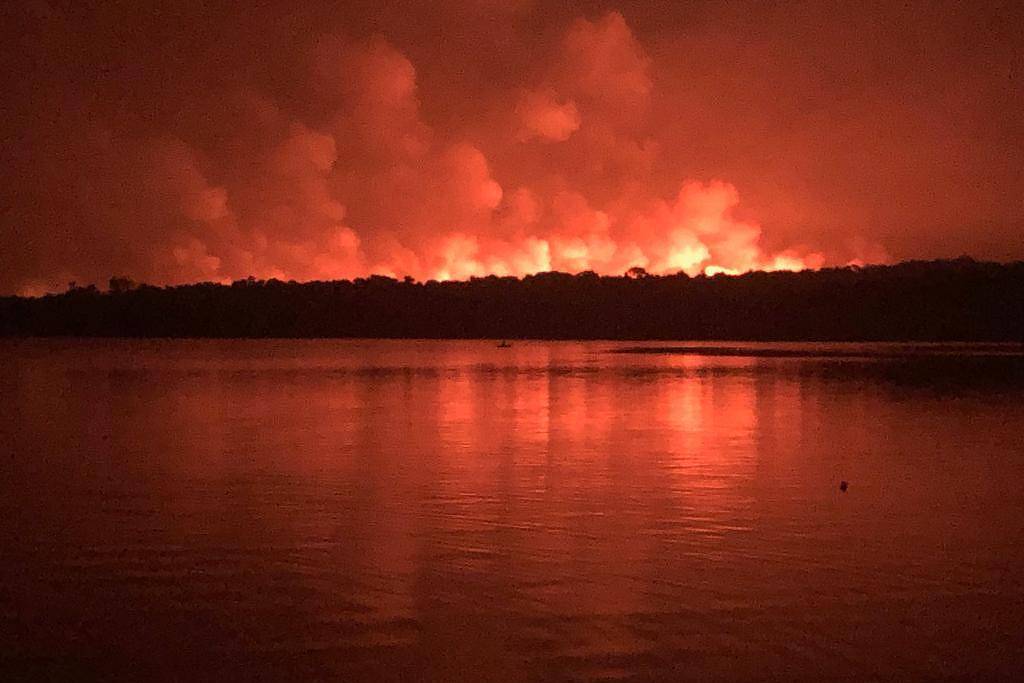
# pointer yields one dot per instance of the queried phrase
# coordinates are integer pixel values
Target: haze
(212, 141)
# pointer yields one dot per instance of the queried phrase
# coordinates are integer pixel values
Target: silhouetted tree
(121, 284)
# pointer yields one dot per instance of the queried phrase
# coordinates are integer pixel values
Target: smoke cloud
(514, 139)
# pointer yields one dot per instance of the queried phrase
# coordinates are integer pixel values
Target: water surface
(455, 511)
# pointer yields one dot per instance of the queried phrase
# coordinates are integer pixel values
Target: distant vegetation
(936, 300)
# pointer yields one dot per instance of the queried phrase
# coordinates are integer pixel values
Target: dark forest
(957, 300)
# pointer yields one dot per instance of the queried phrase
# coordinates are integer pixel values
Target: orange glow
(380, 191)
(565, 167)
(695, 234)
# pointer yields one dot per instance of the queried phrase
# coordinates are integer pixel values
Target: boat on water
(504, 344)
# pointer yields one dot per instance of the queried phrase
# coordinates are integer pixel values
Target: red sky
(186, 140)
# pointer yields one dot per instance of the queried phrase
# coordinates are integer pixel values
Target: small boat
(503, 344)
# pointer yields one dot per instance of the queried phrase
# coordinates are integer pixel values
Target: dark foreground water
(357, 510)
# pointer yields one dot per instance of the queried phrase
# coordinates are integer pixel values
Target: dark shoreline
(918, 301)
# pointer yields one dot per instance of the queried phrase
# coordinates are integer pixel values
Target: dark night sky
(186, 140)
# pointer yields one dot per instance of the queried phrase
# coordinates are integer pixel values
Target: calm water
(453, 511)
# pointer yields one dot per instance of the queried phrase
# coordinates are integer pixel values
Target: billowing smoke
(340, 162)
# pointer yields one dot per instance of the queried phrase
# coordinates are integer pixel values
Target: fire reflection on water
(384, 508)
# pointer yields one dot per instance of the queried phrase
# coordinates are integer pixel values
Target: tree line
(948, 300)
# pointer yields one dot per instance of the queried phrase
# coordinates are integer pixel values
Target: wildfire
(559, 178)
(694, 233)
